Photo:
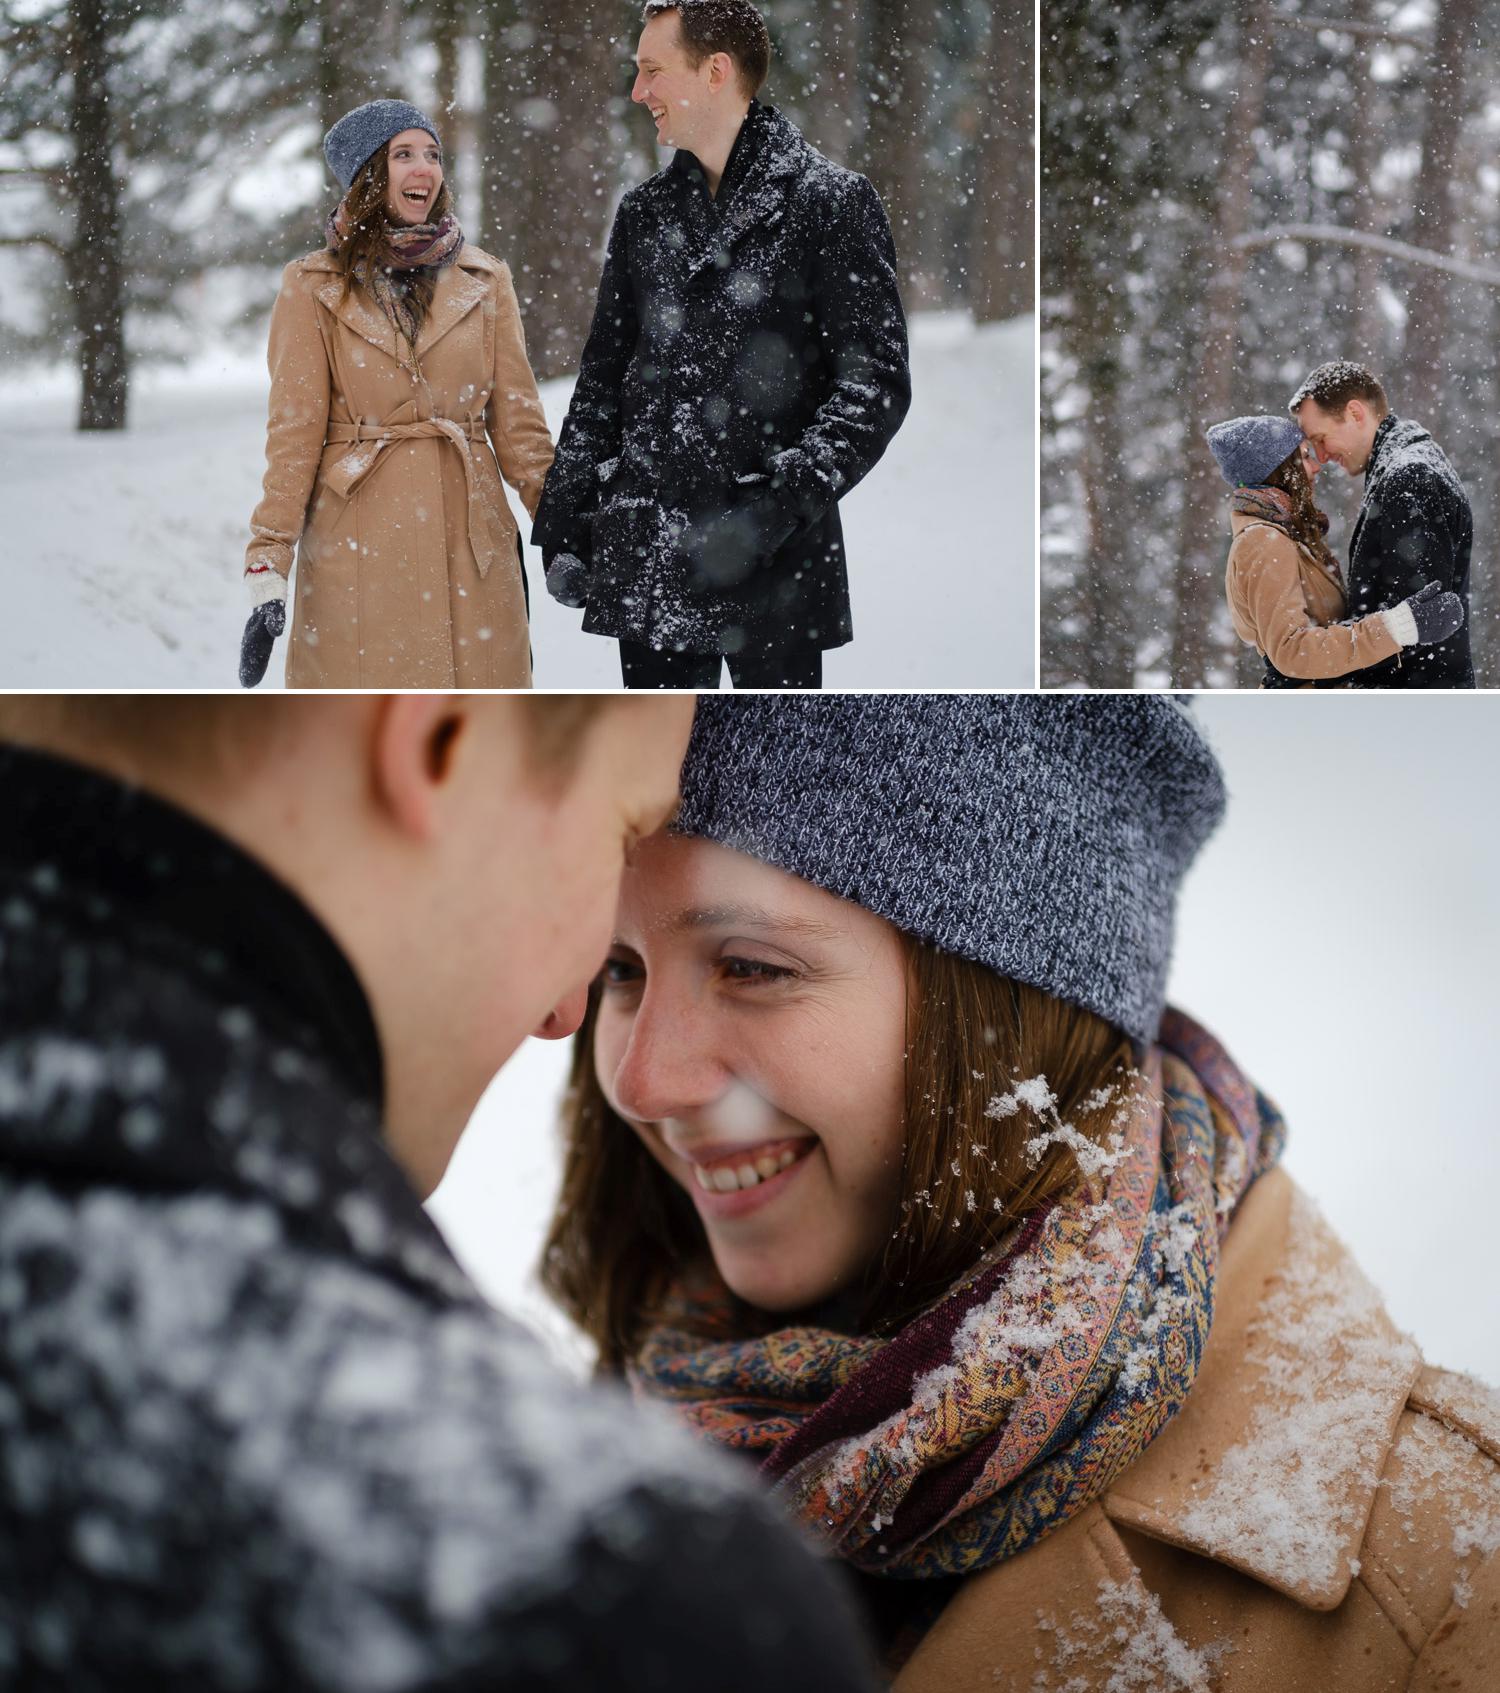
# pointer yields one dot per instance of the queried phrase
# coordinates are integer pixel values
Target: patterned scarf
(1001, 1411)
(407, 248)
(1274, 506)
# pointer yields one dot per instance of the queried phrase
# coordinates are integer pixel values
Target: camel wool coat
(1323, 1516)
(382, 477)
(1282, 600)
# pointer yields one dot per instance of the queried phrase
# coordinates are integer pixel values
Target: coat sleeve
(296, 424)
(592, 432)
(1265, 590)
(514, 415)
(862, 327)
(1412, 541)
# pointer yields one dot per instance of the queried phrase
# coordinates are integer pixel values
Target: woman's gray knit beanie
(1249, 448)
(359, 135)
(1044, 836)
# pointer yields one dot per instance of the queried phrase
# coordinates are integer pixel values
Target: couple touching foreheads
(1399, 618)
(888, 1178)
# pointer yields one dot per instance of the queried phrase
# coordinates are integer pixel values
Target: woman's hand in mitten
(266, 621)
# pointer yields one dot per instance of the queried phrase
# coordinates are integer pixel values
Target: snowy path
(126, 549)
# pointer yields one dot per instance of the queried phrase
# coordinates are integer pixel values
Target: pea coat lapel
(759, 199)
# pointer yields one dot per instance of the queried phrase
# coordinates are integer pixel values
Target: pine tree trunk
(843, 78)
(1110, 584)
(896, 140)
(553, 84)
(1000, 246)
(1363, 146)
(1454, 40)
(350, 60)
(96, 271)
(447, 21)
(1201, 537)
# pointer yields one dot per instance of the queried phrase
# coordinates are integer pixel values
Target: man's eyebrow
(748, 917)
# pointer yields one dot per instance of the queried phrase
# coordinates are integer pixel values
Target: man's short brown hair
(734, 27)
(1331, 387)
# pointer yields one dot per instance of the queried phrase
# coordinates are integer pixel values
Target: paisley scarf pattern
(407, 248)
(1001, 1411)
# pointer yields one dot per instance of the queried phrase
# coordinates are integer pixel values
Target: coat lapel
(460, 288)
(760, 197)
(1273, 1463)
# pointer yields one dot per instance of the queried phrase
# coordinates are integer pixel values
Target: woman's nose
(670, 1066)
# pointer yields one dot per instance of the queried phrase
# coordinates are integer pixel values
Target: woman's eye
(755, 970)
(620, 972)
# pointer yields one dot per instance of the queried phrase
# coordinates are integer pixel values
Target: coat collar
(1273, 1463)
(768, 151)
(461, 287)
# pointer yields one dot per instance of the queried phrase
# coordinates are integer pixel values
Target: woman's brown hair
(1307, 522)
(622, 1228)
(368, 218)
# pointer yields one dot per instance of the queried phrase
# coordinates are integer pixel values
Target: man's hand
(567, 579)
(726, 548)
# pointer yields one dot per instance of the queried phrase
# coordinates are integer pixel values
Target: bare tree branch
(1347, 26)
(1332, 235)
(49, 241)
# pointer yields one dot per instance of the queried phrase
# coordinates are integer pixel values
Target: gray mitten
(567, 580)
(1436, 613)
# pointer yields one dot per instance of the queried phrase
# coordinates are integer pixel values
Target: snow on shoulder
(1324, 1355)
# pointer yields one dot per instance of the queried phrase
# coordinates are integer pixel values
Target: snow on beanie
(1249, 448)
(360, 134)
(1042, 836)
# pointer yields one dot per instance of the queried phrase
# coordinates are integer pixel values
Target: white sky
(1340, 934)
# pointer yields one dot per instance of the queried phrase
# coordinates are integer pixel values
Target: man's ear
(720, 71)
(1358, 413)
(415, 739)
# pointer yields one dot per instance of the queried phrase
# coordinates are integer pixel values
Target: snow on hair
(734, 27)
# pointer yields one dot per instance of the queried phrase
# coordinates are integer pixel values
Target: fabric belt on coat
(487, 539)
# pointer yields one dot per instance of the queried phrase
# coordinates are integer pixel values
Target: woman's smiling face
(414, 162)
(752, 1032)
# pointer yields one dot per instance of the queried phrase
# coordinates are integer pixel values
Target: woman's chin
(772, 1289)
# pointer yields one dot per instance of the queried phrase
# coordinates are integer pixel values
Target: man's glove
(1435, 615)
(567, 579)
(725, 548)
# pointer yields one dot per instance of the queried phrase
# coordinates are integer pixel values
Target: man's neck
(714, 156)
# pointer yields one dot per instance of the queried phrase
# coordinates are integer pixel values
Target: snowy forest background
(1231, 195)
(160, 161)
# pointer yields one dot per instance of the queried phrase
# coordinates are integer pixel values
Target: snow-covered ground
(126, 549)
(1341, 934)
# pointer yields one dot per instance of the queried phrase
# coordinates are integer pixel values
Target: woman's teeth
(726, 1178)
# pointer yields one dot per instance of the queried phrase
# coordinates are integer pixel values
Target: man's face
(1343, 438)
(504, 912)
(673, 91)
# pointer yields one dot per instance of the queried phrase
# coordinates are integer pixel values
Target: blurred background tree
(160, 159)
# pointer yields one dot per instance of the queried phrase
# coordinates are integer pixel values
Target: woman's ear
(416, 739)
